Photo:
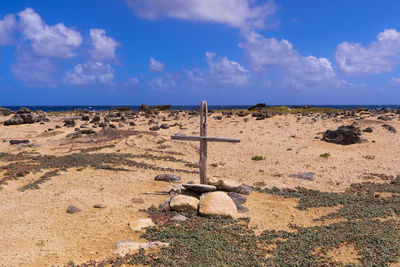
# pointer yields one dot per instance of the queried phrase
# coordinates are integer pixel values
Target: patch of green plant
(257, 157)
(325, 155)
(35, 185)
(91, 149)
(22, 164)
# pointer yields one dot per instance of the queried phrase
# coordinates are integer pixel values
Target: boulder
(217, 203)
(25, 115)
(200, 188)
(167, 178)
(69, 123)
(389, 128)
(368, 130)
(164, 126)
(129, 246)
(139, 225)
(182, 203)
(231, 186)
(344, 135)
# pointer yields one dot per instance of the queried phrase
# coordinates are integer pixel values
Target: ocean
(187, 107)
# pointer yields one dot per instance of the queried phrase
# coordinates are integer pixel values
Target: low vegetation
(364, 221)
(325, 155)
(257, 158)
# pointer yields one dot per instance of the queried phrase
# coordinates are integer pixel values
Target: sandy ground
(36, 230)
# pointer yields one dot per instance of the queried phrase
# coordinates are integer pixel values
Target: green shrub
(325, 155)
(257, 157)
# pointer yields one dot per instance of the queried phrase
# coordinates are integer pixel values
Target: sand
(36, 230)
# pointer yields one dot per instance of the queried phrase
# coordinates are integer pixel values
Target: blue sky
(128, 52)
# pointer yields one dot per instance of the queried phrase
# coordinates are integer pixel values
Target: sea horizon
(59, 108)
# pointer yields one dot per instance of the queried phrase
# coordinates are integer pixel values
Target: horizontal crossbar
(204, 138)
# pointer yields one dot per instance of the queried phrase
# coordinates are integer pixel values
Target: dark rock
(389, 128)
(96, 119)
(88, 131)
(72, 209)
(99, 206)
(147, 108)
(5, 111)
(102, 124)
(242, 113)
(218, 117)
(16, 142)
(154, 128)
(85, 117)
(384, 118)
(344, 135)
(368, 130)
(74, 135)
(244, 189)
(258, 106)
(200, 188)
(112, 126)
(58, 126)
(237, 198)
(304, 175)
(167, 178)
(25, 115)
(242, 209)
(164, 126)
(69, 123)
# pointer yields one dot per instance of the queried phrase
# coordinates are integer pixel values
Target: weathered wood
(203, 143)
(204, 138)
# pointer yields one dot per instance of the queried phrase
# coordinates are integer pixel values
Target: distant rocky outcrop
(258, 106)
(344, 135)
(147, 108)
(25, 115)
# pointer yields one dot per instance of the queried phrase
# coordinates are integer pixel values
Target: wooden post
(203, 144)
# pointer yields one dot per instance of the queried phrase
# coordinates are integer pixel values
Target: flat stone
(179, 218)
(201, 188)
(72, 209)
(99, 206)
(217, 203)
(237, 198)
(129, 246)
(16, 142)
(230, 186)
(242, 209)
(167, 178)
(304, 175)
(182, 203)
(139, 225)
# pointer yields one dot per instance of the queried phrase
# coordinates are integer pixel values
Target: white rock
(129, 246)
(139, 225)
(184, 203)
(217, 203)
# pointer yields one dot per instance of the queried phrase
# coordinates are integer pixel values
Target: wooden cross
(203, 138)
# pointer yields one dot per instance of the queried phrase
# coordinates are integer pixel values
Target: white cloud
(298, 71)
(34, 71)
(56, 41)
(90, 73)
(242, 14)
(155, 65)
(169, 81)
(131, 82)
(7, 27)
(103, 46)
(379, 56)
(224, 71)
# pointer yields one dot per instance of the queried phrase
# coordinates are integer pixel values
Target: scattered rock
(25, 115)
(164, 126)
(139, 225)
(179, 218)
(69, 123)
(231, 186)
(304, 175)
(389, 128)
(176, 189)
(72, 209)
(164, 206)
(200, 188)
(217, 203)
(167, 178)
(16, 142)
(384, 118)
(99, 206)
(74, 135)
(368, 130)
(154, 128)
(147, 108)
(344, 135)
(237, 198)
(242, 209)
(184, 203)
(129, 246)
(88, 131)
